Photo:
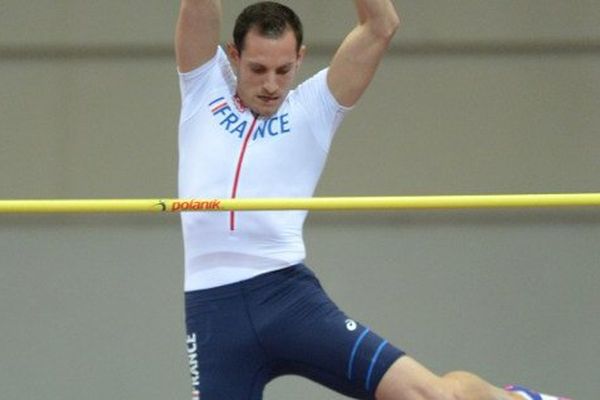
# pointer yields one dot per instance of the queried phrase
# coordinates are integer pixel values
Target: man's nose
(270, 84)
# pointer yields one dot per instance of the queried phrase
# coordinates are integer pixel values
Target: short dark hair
(271, 19)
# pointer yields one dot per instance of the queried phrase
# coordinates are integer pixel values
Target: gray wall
(474, 97)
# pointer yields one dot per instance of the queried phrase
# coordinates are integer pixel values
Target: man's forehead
(261, 64)
(256, 44)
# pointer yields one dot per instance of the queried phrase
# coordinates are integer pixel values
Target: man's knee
(408, 380)
(439, 389)
(464, 385)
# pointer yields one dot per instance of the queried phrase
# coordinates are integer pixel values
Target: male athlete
(253, 310)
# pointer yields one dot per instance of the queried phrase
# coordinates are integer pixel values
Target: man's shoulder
(214, 75)
(311, 86)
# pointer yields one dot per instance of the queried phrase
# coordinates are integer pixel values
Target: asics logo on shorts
(350, 325)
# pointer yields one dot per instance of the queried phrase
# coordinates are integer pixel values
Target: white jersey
(225, 152)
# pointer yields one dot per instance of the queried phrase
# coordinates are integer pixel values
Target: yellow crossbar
(315, 203)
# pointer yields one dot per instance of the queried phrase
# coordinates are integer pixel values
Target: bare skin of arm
(197, 32)
(356, 60)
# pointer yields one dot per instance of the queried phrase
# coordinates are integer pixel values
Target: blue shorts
(243, 335)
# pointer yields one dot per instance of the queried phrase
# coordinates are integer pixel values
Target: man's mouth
(268, 99)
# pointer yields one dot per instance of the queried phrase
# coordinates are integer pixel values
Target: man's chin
(265, 112)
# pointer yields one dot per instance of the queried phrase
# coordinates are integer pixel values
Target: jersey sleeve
(326, 113)
(195, 84)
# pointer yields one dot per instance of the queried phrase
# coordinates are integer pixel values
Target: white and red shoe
(529, 394)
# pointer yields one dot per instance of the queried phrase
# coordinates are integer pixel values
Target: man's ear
(301, 54)
(234, 56)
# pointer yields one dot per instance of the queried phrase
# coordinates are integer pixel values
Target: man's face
(265, 70)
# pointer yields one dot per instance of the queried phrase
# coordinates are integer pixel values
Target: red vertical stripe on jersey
(238, 170)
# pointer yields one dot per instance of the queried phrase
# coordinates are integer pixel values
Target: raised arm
(197, 32)
(356, 61)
